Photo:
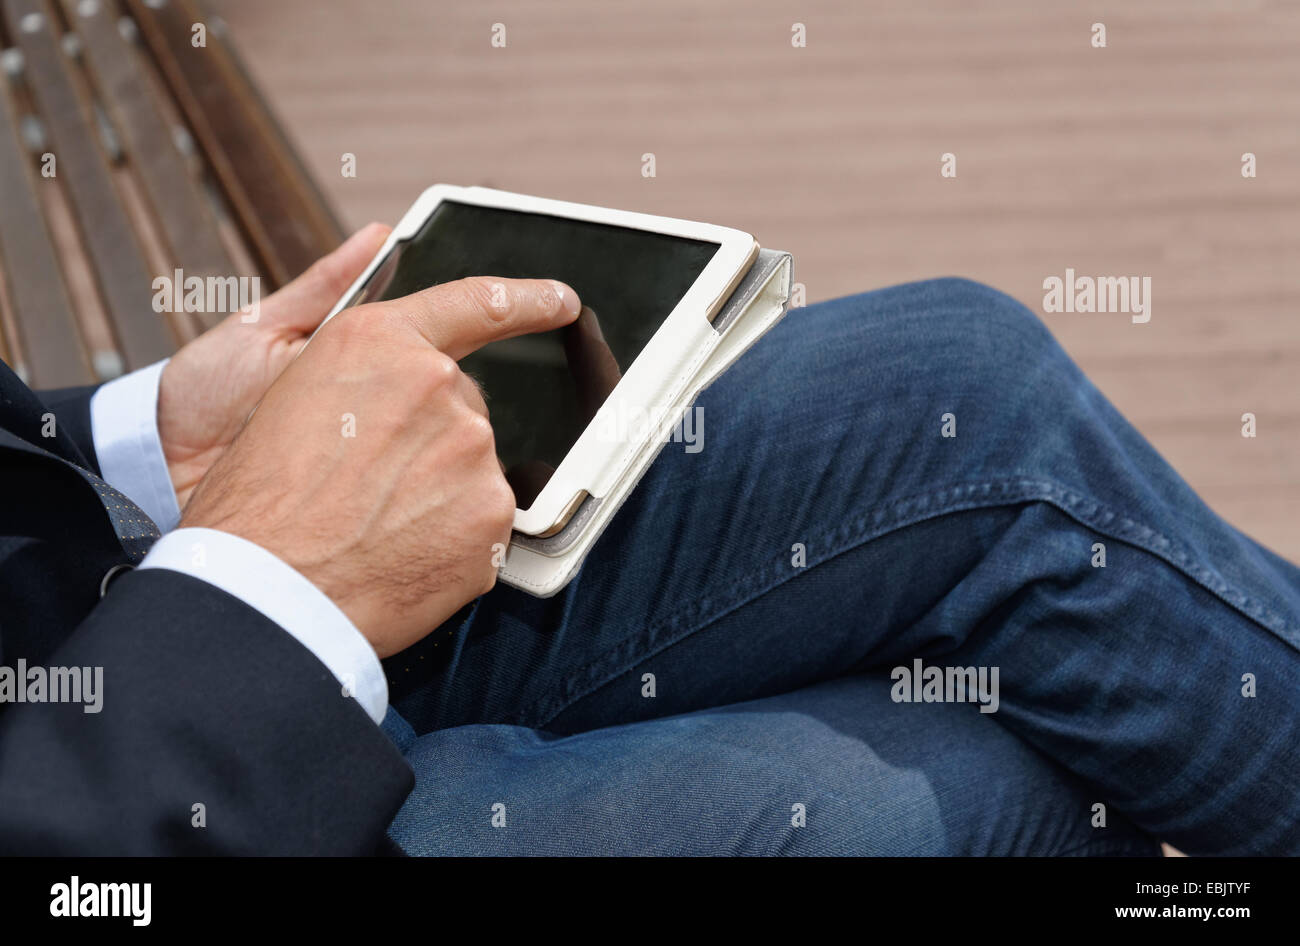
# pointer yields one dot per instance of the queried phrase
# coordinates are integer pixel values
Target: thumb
(303, 303)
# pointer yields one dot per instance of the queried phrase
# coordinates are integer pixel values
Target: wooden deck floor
(1118, 161)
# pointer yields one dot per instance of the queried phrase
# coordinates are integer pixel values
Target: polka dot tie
(135, 530)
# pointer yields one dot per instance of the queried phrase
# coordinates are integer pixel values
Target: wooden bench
(128, 152)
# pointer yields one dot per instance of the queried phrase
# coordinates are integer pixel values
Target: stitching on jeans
(890, 517)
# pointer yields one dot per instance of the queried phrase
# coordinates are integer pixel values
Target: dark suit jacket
(205, 701)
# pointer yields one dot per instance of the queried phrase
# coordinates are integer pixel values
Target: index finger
(462, 316)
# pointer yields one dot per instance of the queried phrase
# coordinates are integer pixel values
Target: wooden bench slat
(331, 229)
(189, 225)
(49, 346)
(284, 218)
(115, 251)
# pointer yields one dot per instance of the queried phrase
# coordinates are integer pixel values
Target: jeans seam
(890, 517)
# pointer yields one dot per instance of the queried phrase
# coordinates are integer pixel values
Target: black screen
(542, 390)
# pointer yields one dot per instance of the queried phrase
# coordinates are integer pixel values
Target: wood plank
(189, 226)
(280, 212)
(314, 197)
(115, 252)
(49, 348)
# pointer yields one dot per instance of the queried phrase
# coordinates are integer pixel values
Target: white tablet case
(542, 566)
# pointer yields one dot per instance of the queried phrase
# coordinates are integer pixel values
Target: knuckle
(426, 374)
(477, 431)
(491, 297)
(441, 370)
(549, 302)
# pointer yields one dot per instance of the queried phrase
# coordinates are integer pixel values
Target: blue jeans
(915, 473)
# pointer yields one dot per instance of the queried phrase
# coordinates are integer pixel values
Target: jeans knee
(957, 331)
(970, 312)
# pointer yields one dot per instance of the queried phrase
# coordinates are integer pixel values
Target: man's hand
(370, 465)
(211, 385)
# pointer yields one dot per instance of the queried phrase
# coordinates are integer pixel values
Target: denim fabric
(865, 778)
(1121, 685)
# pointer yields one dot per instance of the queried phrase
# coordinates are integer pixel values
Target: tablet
(569, 406)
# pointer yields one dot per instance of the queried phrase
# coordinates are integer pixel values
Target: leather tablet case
(542, 566)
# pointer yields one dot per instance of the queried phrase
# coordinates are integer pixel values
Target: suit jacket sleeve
(207, 703)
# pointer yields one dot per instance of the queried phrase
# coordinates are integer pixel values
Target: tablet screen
(542, 390)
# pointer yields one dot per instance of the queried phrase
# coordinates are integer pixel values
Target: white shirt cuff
(124, 425)
(283, 594)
